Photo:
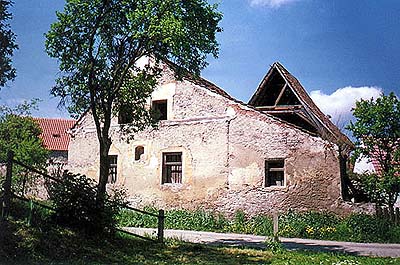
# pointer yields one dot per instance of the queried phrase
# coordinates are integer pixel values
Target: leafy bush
(368, 228)
(273, 244)
(316, 225)
(134, 219)
(74, 199)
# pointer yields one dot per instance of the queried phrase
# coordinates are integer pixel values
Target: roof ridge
(47, 118)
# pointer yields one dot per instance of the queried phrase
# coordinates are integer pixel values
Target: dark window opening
(112, 171)
(139, 150)
(172, 168)
(274, 173)
(160, 108)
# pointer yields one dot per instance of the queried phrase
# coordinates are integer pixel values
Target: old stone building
(210, 150)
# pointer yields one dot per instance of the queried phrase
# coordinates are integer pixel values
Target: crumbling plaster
(224, 146)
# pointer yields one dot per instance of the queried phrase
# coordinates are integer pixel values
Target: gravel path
(360, 249)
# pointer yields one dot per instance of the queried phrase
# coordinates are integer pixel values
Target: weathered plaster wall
(311, 168)
(224, 147)
(200, 135)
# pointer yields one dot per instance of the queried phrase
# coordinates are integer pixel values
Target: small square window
(172, 168)
(160, 108)
(274, 172)
(112, 171)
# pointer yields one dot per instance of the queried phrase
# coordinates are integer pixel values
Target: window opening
(274, 173)
(139, 150)
(172, 168)
(160, 108)
(112, 171)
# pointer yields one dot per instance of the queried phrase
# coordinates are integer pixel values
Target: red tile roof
(54, 133)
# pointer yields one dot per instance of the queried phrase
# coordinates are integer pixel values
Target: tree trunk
(105, 144)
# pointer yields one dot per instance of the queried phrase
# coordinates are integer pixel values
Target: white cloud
(270, 3)
(339, 104)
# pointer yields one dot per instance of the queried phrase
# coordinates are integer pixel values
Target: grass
(49, 244)
(313, 225)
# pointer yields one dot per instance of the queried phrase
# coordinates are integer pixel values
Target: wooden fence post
(161, 218)
(276, 225)
(7, 187)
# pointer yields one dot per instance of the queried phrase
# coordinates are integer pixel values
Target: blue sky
(340, 50)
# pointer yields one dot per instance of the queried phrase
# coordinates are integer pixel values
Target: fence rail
(8, 194)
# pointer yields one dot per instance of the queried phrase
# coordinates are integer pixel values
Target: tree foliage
(98, 44)
(20, 134)
(377, 133)
(74, 198)
(7, 44)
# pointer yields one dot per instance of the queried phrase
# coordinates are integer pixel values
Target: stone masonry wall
(201, 136)
(224, 146)
(311, 168)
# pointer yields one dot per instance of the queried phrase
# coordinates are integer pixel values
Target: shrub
(367, 228)
(76, 206)
(274, 245)
(316, 225)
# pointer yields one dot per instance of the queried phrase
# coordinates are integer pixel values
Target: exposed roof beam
(280, 94)
(275, 108)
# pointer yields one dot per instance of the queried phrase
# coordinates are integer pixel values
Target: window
(139, 150)
(274, 173)
(160, 109)
(112, 171)
(172, 168)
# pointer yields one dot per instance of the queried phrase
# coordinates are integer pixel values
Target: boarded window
(160, 109)
(112, 172)
(274, 172)
(139, 150)
(172, 168)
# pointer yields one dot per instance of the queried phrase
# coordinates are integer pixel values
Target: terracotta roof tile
(54, 133)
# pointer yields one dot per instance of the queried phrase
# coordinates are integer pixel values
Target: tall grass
(314, 225)
(199, 220)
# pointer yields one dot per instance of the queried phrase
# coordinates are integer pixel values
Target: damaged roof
(282, 95)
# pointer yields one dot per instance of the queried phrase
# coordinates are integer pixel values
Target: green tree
(99, 42)
(7, 44)
(377, 132)
(20, 134)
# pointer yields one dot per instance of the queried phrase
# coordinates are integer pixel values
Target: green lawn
(20, 244)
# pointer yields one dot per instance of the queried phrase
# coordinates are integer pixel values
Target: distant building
(55, 137)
